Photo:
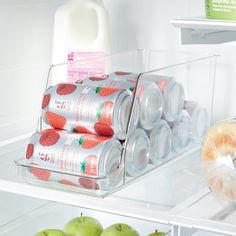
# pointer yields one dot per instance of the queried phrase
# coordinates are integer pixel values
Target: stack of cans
(87, 123)
(169, 121)
(92, 120)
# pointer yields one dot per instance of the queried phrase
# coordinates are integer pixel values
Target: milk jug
(81, 30)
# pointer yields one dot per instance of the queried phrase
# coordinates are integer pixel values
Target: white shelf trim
(205, 31)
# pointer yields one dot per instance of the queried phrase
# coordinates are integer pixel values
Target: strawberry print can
(73, 153)
(107, 82)
(87, 109)
(130, 76)
(100, 82)
(137, 153)
(148, 94)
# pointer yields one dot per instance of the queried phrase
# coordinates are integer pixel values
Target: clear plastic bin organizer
(161, 109)
(49, 216)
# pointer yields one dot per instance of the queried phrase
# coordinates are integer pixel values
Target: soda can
(123, 75)
(181, 130)
(86, 109)
(199, 116)
(160, 142)
(105, 82)
(73, 153)
(108, 83)
(172, 92)
(173, 95)
(148, 94)
(137, 153)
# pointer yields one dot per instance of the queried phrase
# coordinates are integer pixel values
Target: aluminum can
(181, 130)
(73, 153)
(148, 94)
(86, 109)
(137, 153)
(199, 116)
(99, 82)
(173, 95)
(160, 142)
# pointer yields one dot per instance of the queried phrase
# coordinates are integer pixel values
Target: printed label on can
(63, 151)
(79, 69)
(108, 83)
(82, 108)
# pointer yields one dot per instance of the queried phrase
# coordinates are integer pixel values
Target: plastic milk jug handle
(101, 32)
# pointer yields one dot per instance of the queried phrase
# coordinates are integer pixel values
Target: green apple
(157, 233)
(51, 232)
(83, 226)
(120, 230)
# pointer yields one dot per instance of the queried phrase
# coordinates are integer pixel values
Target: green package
(221, 9)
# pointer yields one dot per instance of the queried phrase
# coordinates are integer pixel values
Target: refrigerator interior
(26, 42)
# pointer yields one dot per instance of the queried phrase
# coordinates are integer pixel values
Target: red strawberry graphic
(104, 113)
(55, 120)
(88, 183)
(46, 100)
(67, 182)
(40, 174)
(103, 130)
(49, 138)
(96, 78)
(88, 141)
(122, 73)
(162, 84)
(133, 81)
(50, 129)
(29, 151)
(81, 130)
(106, 91)
(64, 89)
(89, 165)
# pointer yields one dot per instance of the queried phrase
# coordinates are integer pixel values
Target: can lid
(137, 152)
(173, 100)
(151, 103)
(125, 114)
(181, 130)
(160, 141)
(200, 121)
(109, 160)
(120, 132)
(122, 112)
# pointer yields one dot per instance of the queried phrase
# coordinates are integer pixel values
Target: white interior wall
(25, 54)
